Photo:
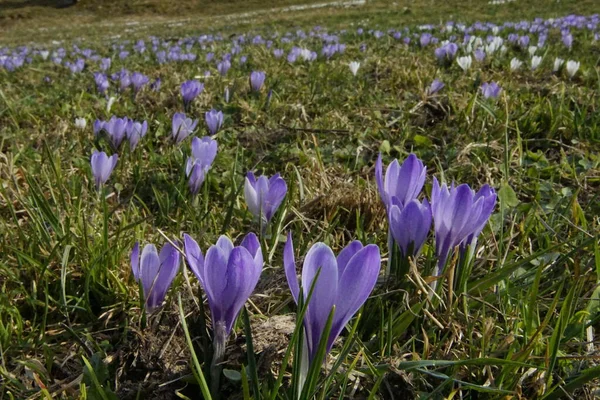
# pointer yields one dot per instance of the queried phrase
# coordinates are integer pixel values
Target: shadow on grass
(19, 4)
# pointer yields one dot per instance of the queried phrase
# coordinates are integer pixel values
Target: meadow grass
(72, 323)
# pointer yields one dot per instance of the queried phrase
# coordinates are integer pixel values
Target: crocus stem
(219, 339)
(388, 269)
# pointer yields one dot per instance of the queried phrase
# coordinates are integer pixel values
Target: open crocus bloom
(344, 282)
(228, 275)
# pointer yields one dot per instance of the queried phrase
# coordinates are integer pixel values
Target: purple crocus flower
(459, 216)
(223, 67)
(447, 52)
(155, 272)
(479, 55)
(116, 129)
(204, 152)
(190, 90)
(124, 80)
(402, 184)
(264, 195)
(257, 79)
(138, 80)
(135, 131)
(409, 225)
(182, 127)
(101, 82)
(214, 121)
(435, 87)
(228, 275)
(490, 90)
(567, 40)
(102, 167)
(155, 86)
(278, 53)
(98, 126)
(344, 282)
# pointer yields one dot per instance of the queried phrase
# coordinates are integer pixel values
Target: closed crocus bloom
(257, 79)
(102, 167)
(572, 68)
(435, 87)
(558, 62)
(490, 90)
(80, 123)
(223, 67)
(228, 274)
(464, 62)
(515, 64)
(98, 126)
(155, 272)
(182, 127)
(190, 90)
(402, 183)
(535, 62)
(409, 226)
(264, 195)
(136, 131)
(345, 281)
(116, 129)
(354, 66)
(204, 152)
(139, 80)
(459, 214)
(214, 120)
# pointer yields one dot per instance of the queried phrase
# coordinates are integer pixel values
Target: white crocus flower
(532, 50)
(109, 104)
(464, 62)
(535, 62)
(44, 54)
(354, 66)
(80, 123)
(515, 64)
(572, 68)
(558, 62)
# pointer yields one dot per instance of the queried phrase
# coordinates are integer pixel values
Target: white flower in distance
(558, 62)
(532, 50)
(572, 68)
(515, 64)
(535, 62)
(354, 66)
(464, 62)
(44, 54)
(109, 104)
(80, 123)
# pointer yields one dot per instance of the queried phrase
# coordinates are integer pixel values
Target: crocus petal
(289, 265)
(319, 258)
(194, 257)
(359, 279)
(149, 267)
(346, 254)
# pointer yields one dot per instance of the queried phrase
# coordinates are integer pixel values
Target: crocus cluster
(459, 214)
(119, 129)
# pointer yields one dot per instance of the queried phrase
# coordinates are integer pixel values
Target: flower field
(367, 200)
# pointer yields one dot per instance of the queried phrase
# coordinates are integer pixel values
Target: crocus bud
(257, 79)
(102, 167)
(264, 195)
(214, 120)
(155, 272)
